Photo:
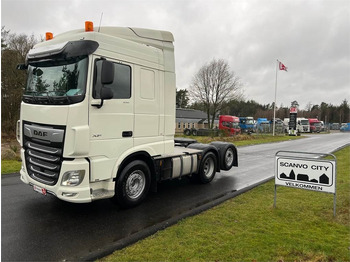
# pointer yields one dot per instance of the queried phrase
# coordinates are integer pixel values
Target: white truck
(303, 125)
(98, 118)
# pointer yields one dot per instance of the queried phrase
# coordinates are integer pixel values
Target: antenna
(99, 27)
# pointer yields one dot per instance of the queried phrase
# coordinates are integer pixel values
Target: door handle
(127, 134)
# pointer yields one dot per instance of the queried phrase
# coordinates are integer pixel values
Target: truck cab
(315, 125)
(262, 125)
(247, 124)
(303, 125)
(229, 123)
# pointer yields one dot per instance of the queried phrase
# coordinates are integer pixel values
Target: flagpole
(274, 106)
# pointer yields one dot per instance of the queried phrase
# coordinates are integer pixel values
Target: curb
(9, 175)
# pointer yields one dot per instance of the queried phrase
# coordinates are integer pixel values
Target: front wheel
(133, 184)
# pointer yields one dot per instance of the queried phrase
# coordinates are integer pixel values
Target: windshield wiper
(29, 96)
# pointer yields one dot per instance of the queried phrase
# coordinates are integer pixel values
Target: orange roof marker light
(48, 36)
(89, 26)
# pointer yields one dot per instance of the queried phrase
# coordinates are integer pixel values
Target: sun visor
(62, 50)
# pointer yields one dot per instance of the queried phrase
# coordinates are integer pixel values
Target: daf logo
(40, 133)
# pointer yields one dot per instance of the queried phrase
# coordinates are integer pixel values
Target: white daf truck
(303, 125)
(98, 118)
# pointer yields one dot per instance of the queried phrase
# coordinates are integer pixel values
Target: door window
(121, 86)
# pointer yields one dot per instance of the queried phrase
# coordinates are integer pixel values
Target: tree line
(14, 49)
(214, 89)
(326, 112)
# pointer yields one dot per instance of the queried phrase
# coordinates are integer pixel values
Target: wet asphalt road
(38, 228)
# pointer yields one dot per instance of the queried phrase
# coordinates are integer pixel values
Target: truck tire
(228, 158)
(133, 184)
(207, 168)
(194, 132)
(228, 153)
(187, 132)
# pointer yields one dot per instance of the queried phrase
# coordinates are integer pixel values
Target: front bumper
(74, 194)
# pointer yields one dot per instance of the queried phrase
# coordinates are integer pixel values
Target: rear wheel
(227, 153)
(133, 184)
(228, 158)
(187, 132)
(207, 168)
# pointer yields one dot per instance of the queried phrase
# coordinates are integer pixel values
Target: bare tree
(213, 85)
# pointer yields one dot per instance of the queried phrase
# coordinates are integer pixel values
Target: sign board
(293, 110)
(292, 121)
(306, 170)
(315, 174)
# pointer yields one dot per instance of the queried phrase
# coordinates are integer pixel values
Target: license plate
(40, 190)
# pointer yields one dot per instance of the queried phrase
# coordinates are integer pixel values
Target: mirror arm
(100, 105)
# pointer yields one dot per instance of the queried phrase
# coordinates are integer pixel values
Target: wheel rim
(229, 157)
(135, 184)
(208, 167)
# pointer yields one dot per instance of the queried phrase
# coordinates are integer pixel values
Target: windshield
(235, 125)
(250, 122)
(56, 82)
(304, 122)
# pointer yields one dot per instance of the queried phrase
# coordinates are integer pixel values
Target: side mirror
(107, 77)
(106, 93)
(107, 72)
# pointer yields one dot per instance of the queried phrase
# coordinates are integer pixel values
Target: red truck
(315, 125)
(229, 123)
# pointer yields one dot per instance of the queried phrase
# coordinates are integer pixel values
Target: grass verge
(10, 166)
(244, 140)
(248, 228)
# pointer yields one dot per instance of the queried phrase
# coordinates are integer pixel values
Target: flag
(282, 66)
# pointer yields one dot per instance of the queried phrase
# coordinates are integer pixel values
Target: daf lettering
(40, 133)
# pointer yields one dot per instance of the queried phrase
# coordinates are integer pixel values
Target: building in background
(189, 118)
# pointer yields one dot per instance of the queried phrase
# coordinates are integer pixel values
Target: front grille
(43, 151)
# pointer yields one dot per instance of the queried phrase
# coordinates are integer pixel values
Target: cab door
(111, 123)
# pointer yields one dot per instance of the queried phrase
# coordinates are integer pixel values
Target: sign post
(305, 170)
(293, 119)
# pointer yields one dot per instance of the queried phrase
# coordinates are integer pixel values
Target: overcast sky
(311, 38)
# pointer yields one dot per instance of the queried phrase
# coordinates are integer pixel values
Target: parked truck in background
(315, 125)
(230, 124)
(323, 128)
(247, 124)
(345, 127)
(303, 125)
(263, 125)
(286, 125)
(98, 114)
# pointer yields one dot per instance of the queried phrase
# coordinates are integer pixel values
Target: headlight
(73, 178)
